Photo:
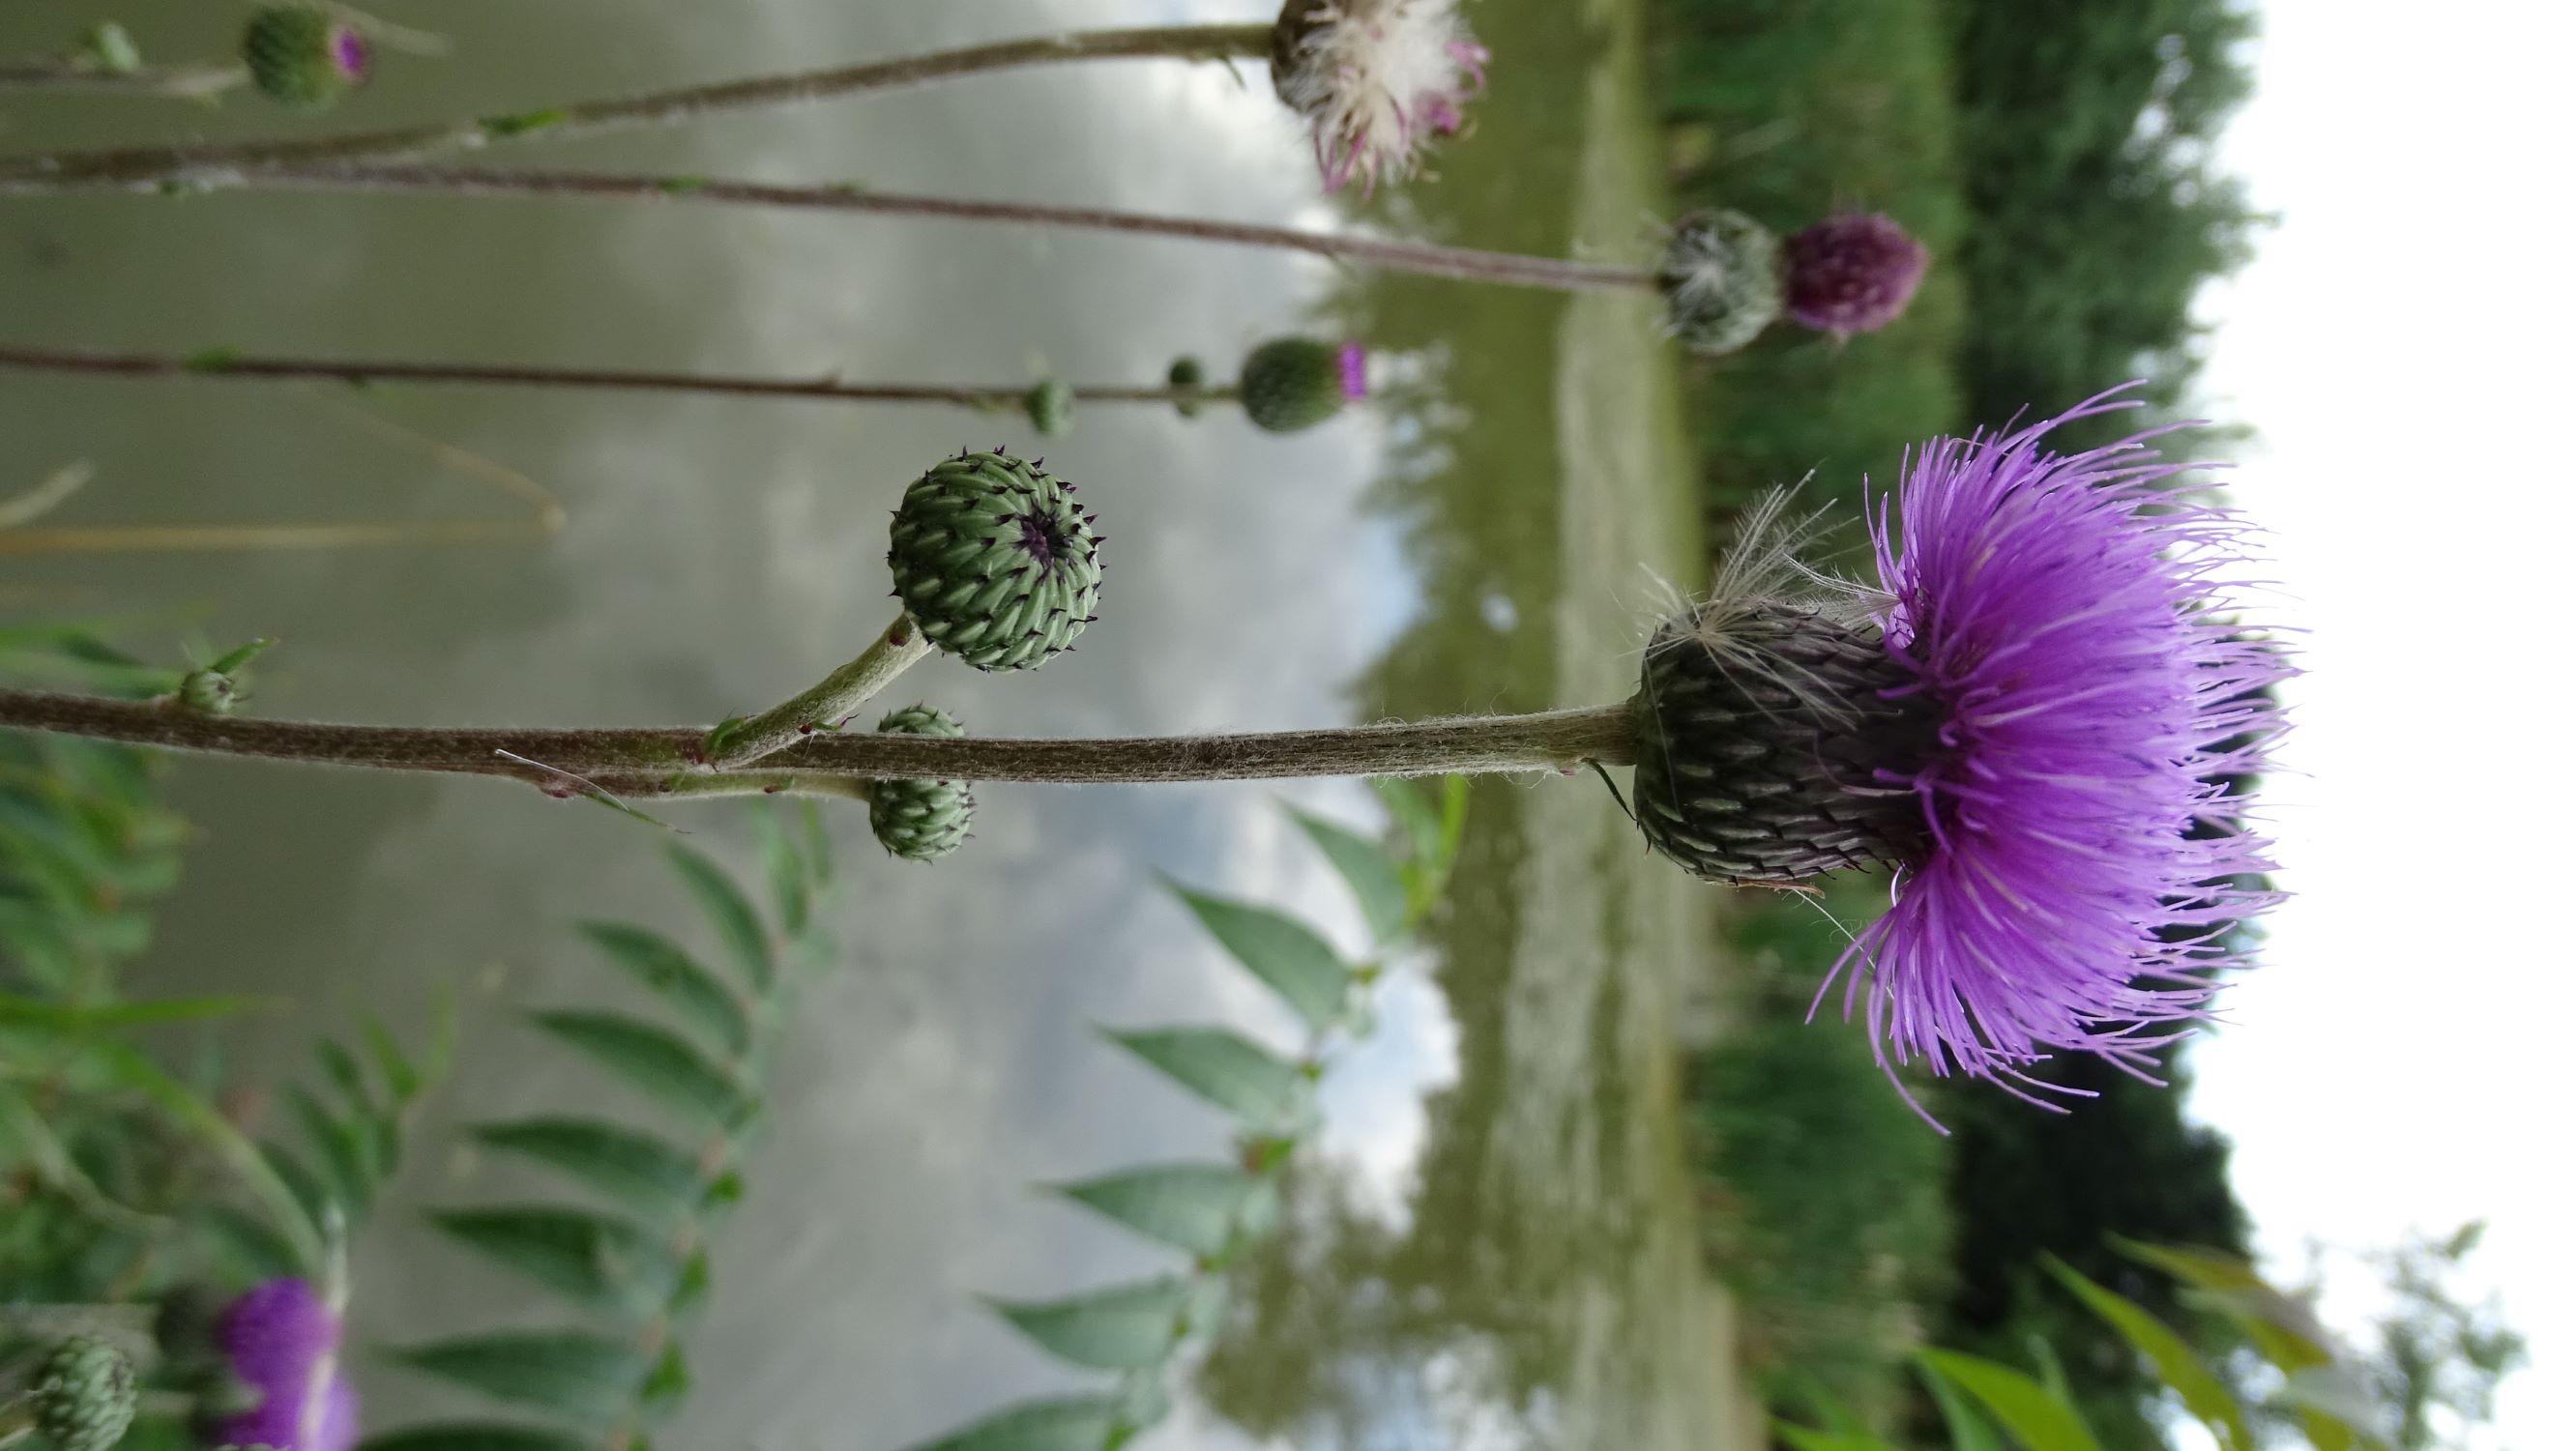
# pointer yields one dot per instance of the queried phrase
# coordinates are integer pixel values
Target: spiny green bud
(1722, 281)
(1187, 377)
(1050, 407)
(218, 689)
(1291, 384)
(82, 1396)
(995, 560)
(920, 821)
(303, 56)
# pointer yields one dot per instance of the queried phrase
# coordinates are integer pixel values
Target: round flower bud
(1188, 375)
(1291, 384)
(1721, 281)
(1050, 407)
(82, 1396)
(995, 561)
(1853, 273)
(920, 821)
(303, 56)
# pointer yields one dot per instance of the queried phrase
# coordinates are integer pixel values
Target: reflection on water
(1520, 1270)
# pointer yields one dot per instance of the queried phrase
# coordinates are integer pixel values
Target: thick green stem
(831, 702)
(671, 760)
(226, 164)
(174, 82)
(90, 362)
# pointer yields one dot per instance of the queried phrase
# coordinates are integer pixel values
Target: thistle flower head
(995, 561)
(1721, 281)
(82, 1394)
(1292, 384)
(1376, 79)
(2036, 718)
(1853, 273)
(920, 821)
(283, 1343)
(303, 56)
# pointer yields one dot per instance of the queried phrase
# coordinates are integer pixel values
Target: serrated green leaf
(677, 979)
(1125, 1327)
(469, 1436)
(2203, 1393)
(1196, 1207)
(791, 888)
(599, 1262)
(637, 1171)
(340, 1155)
(247, 1161)
(25, 1012)
(246, 1248)
(580, 1377)
(1802, 1438)
(1225, 1068)
(1076, 1423)
(1968, 1427)
(1281, 951)
(1372, 875)
(736, 921)
(668, 1385)
(653, 1059)
(1419, 819)
(2035, 1418)
(345, 1075)
(402, 1079)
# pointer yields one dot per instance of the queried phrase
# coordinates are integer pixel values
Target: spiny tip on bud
(994, 561)
(1292, 384)
(1050, 407)
(303, 56)
(82, 1395)
(920, 821)
(1721, 279)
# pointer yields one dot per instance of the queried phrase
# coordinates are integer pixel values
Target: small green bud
(1050, 407)
(995, 561)
(303, 56)
(217, 689)
(920, 821)
(1187, 377)
(1723, 281)
(1291, 384)
(111, 49)
(82, 1395)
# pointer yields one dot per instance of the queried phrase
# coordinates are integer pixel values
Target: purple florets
(349, 52)
(1853, 273)
(2070, 622)
(1354, 364)
(284, 1343)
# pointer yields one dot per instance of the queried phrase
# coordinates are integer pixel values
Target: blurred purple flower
(349, 52)
(2070, 620)
(284, 1343)
(1354, 362)
(1853, 273)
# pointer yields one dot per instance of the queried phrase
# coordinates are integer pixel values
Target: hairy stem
(670, 760)
(361, 371)
(194, 82)
(833, 700)
(222, 164)
(1465, 264)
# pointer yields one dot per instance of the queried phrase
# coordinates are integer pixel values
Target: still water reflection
(1495, 1248)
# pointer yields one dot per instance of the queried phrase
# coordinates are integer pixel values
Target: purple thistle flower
(2037, 719)
(284, 1343)
(1853, 273)
(349, 52)
(1354, 364)
(2068, 620)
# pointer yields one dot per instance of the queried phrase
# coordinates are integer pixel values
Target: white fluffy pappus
(1377, 79)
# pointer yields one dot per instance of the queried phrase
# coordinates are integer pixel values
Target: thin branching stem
(91, 362)
(208, 165)
(667, 760)
(182, 82)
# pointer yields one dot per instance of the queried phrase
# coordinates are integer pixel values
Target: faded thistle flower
(1853, 273)
(1377, 80)
(303, 56)
(2035, 717)
(283, 1343)
(1721, 281)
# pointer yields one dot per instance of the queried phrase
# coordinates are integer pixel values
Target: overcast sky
(2401, 344)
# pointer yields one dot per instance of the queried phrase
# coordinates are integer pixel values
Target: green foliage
(634, 1261)
(1216, 1212)
(1820, 1189)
